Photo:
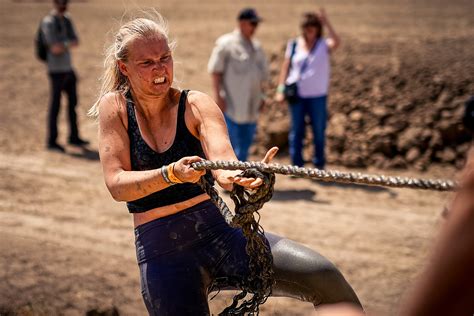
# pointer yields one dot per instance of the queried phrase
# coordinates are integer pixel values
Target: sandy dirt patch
(67, 247)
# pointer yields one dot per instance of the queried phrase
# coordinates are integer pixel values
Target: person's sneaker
(78, 142)
(56, 147)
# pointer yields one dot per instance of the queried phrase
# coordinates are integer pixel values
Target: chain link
(331, 175)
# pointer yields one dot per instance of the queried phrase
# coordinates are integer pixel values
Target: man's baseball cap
(249, 14)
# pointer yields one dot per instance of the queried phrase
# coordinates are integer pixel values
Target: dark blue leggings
(316, 110)
(180, 256)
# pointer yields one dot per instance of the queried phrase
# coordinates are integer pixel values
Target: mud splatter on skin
(139, 187)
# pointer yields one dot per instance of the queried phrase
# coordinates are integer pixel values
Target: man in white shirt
(238, 67)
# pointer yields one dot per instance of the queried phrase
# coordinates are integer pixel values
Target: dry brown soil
(67, 248)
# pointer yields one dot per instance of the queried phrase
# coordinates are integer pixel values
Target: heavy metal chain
(260, 280)
(331, 175)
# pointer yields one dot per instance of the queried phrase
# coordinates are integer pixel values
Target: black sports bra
(145, 158)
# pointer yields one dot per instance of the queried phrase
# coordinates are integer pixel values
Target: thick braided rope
(260, 280)
(216, 199)
(331, 175)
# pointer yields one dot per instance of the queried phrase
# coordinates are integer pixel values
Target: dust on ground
(67, 247)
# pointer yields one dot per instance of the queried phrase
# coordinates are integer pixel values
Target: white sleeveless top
(314, 81)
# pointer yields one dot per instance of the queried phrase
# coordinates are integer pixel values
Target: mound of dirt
(390, 106)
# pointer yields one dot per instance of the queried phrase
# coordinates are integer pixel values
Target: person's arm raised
(209, 125)
(333, 41)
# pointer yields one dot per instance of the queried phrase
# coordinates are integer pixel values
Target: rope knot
(260, 281)
(248, 201)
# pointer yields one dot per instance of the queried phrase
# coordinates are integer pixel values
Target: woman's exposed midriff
(162, 211)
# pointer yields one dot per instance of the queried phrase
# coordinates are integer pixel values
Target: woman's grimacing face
(149, 67)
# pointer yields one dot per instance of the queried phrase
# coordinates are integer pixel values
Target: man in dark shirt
(60, 36)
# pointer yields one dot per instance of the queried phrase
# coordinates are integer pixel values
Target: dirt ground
(67, 248)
